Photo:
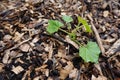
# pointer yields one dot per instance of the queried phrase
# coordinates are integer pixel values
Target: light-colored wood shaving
(115, 47)
(17, 69)
(25, 47)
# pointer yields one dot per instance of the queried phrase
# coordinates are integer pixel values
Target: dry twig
(98, 38)
(97, 35)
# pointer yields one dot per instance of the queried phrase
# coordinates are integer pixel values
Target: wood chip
(115, 48)
(47, 72)
(63, 74)
(39, 68)
(105, 4)
(37, 78)
(98, 78)
(25, 74)
(1, 67)
(7, 37)
(67, 69)
(17, 69)
(61, 52)
(35, 39)
(25, 47)
(99, 68)
(116, 12)
(105, 13)
(49, 48)
(73, 74)
(109, 40)
(71, 42)
(6, 57)
(18, 36)
(13, 54)
(33, 1)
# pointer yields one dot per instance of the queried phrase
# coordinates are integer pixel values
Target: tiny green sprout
(85, 24)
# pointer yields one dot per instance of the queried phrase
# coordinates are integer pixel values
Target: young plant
(89, 52)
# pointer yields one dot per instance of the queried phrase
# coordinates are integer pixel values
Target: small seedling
(89, 52)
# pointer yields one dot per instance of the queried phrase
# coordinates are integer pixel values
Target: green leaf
(90, 52)
(85, 24)
(53, 26)
(67, 19)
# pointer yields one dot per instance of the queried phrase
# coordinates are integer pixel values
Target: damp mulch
(28, 52)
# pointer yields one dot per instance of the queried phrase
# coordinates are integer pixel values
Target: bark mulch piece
(27, 52)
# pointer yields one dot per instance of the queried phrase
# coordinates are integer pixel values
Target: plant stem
(69, 35)
(81, 45)
(76, 42)
(74, 30)
(69, 26)
(64, 31)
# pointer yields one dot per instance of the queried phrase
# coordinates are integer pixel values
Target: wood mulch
(28, 52)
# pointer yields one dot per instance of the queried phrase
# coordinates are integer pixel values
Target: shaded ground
(27, 52)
